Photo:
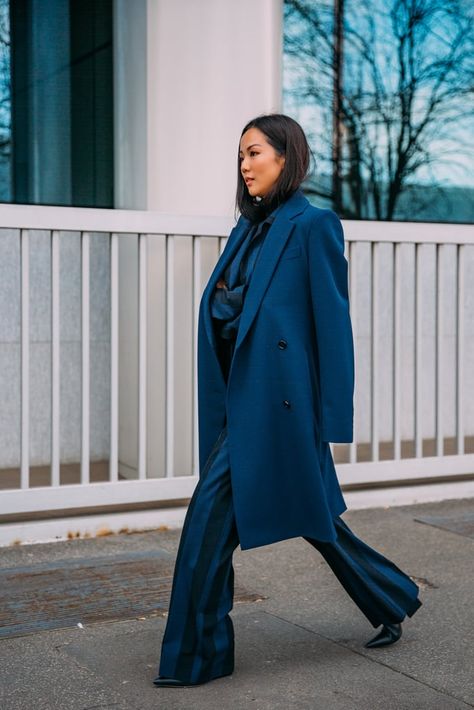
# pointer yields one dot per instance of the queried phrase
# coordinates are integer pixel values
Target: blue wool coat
(291, 383)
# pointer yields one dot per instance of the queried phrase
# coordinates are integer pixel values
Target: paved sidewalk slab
(300, 648)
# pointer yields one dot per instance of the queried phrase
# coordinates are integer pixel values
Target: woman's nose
(244, 165)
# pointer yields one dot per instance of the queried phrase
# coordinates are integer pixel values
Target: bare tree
(5, 84)
(407, 80)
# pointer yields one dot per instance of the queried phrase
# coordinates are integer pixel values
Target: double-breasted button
(286, 403)
(282, 344)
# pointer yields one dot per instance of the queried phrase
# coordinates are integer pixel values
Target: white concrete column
(189, 74)
(130, 103)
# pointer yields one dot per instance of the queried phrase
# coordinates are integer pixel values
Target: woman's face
(260, 164)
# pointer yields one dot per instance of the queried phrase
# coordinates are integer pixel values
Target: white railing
(175, 257)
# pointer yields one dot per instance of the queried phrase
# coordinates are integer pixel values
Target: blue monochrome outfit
(227, 303)
(198, 643)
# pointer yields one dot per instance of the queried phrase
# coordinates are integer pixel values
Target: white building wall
(189, 75)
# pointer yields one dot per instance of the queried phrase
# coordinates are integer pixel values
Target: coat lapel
(274, 242)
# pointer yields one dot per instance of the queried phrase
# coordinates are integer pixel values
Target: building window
(383, 90)
(56, 102)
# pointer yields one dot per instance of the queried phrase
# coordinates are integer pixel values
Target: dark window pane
(5, 104)
(384, 91)
(56, 87)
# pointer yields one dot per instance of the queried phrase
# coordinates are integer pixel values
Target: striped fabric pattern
(198, 643)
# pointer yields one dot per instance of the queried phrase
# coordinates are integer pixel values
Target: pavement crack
(369, 658)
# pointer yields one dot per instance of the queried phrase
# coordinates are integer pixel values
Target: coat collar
(274, 242)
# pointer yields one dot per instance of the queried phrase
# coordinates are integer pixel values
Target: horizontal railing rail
(88, 219)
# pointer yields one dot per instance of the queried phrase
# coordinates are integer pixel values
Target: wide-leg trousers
(198, 643)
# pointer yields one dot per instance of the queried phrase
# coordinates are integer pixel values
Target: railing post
(142, 359)
(418, 354)
(25, 358)
(114, 332)
(460, 345)
(397, 350)
(169, 355)
(85, 336)
(55, 360)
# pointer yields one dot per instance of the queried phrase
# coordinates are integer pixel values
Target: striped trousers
(198, 644)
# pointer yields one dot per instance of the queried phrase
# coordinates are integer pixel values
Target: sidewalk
(299, 638)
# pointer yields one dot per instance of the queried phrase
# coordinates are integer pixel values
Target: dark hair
(288, 139)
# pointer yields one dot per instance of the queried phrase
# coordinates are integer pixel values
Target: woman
(275, 386)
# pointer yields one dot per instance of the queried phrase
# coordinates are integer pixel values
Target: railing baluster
(460, 283)
(352, 256)
(397, 335)
(142, 359)
(439, 359)
(114, 322)
(197, 263)
(25, 358)
(374, 261)
(418, 354)
(222, 243)
(55, 360)
(85, 336)
(169, 355)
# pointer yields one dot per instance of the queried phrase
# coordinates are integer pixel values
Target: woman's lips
(248, 180)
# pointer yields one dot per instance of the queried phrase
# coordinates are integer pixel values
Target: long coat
(291, 382)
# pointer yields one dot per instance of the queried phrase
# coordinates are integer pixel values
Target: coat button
(286, 403)
(282, 344)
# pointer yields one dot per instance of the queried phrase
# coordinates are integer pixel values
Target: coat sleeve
(328, 274)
